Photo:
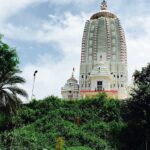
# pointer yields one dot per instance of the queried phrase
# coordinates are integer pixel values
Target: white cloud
(71, 1)
(17, 33)
(138, 46)
(67, 33)
(9, 8)
(67, 30)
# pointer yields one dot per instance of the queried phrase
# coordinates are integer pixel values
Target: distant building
(103, 66)
(71, 89)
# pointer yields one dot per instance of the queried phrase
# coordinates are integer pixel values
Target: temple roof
(103, 14)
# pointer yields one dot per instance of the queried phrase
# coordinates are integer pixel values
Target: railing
(92, 91)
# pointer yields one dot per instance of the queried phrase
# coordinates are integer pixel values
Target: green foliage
(79, 148)
(9, 79)
(137, 113)
(39, 124)
(8, 59)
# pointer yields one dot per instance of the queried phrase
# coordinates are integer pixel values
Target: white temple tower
(103, 64)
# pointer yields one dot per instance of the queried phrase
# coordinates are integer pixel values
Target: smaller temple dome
(72, 80)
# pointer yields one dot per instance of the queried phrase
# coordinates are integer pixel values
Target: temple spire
(104, 5)
(73, 70)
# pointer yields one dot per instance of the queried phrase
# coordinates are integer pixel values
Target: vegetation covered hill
(77, 125)
(97, 123)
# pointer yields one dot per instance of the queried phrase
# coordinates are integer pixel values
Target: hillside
(77, 125)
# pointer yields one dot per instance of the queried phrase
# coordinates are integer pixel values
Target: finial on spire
(73, 70)
(104, 5)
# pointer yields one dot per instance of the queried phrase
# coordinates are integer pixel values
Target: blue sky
(47, 35)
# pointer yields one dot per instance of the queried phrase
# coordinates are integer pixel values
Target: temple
(71, 89)
(103, 66)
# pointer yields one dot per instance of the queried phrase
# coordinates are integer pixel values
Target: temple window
(99, 85)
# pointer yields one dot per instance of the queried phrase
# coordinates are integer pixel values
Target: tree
(9, 79)
(138, 113)
(8, 59)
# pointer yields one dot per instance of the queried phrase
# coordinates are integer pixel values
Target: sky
(47, 35)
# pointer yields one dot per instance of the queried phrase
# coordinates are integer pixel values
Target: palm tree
(10, 92)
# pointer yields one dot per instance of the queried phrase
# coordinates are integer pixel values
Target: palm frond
(9, 92)
(15, 80)
(7, 97)
(2, 99)
(6, 74)
(10, 102)
(17, 91)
